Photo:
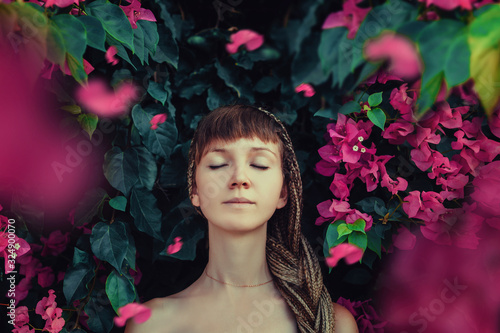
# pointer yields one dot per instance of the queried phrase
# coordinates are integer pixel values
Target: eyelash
(215, 167)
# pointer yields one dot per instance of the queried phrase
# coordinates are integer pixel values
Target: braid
(291, 260)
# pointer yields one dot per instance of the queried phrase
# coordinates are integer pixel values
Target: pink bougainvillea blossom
(61, 3)
(404, 239)
(306, 88)
(487, 189)
(401, 101)
(175, 246)
(110, 55)
(19, 248)
(249, 38)
(350, 253)
(135, 13)
(397, 132)
(367, 319)
(97, 98)
(158, 119)
(350, 17)
(404, 60)
(138, 312)
(427, 206)
(450, 4)
(47, 308)
(55, 244)
(46, 277)
(22, 316)
(394, 185)
(23, 329)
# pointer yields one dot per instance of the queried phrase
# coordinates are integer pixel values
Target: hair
(291, 260)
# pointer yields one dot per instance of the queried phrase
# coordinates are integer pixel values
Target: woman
(262, 275)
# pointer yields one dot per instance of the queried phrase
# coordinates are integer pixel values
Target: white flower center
(360, 138)
(355, 148)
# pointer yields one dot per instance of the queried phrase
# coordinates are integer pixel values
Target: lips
(239, 201)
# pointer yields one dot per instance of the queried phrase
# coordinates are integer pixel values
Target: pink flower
(450, 4)
(394, 185)
(401, 52)
(401, 101)
(451, 118)
(158, 119)
(350, 17)
(55, 244)
(47, 308)
(61, 3)
(87, 67)
(249, 38)
(137, 275)
(110, 55)
(46, 277)
(138, 312)
(404, 239)
(98, 99)
(397, 132)
(494, 123)
(175, 246)
(23, 329)
(22, 289)
(135, 13)
(22, 316)
(19, 248)
(349, 252)
(306, 88)
(427, 206)
(339, 186)
(487, 189)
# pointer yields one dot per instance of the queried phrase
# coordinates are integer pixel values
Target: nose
(239, 178)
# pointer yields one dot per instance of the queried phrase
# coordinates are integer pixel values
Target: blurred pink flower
(46, 277)
(23, 329)
(350, 253)
(61, 3)
(404, 239)
(137, 275)
(450, 4)
(110, 55)
(175, 246)
(251, 39)
(135, 13)
(350, 17)
(158, 119)
(487, 190)
(138, 312)
(55, 244)
(367, 319)
(404, 60)
(306, 88)
(98, 99)
(23, 288)
(22, 316)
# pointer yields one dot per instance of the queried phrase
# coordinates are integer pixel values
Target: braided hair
(291, 260)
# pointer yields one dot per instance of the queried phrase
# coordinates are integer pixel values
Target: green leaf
(151, 37)
(109, 242)
(457, 67)
(56, 50)
(156, 91)
(160, 141)
(139, 49)
(120, 49)
(358, 225)
(234, 79)
(118, 203)
(73, 33)
(75, 282)
(83, 257)
(120, 170)
(113, 20)
(377, 117)
(267, 84)
(131, 252)
(100, 313)
(350, 107)
(375, 99)
(326, 113)
(88, 121)
(328, 47)
(343, 230)
(120, 290)
(484, 40)
(76, 68)
(95, 32)
(359, 239)
(88, 206)
(374, 242)
(147, 215)
(367, 205)
(74, 109)
(167, 49)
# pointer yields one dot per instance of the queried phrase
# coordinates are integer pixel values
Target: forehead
(242, 144)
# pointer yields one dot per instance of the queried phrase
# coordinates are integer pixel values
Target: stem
(86, 300)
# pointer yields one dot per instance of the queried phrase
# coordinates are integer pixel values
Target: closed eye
(260, 167)
(214, 167)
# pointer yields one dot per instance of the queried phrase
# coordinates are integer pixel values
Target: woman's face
(239, 184)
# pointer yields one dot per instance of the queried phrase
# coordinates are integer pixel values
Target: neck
(238, 258)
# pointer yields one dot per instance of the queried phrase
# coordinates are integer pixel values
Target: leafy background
(111, 240)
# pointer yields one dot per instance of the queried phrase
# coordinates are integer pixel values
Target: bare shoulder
(156, 323)
(344, 320)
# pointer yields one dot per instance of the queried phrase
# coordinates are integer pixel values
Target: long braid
(291, 260)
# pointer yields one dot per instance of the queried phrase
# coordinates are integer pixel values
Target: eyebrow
(222, 150)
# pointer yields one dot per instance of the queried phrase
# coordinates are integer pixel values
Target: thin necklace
(235, 285)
